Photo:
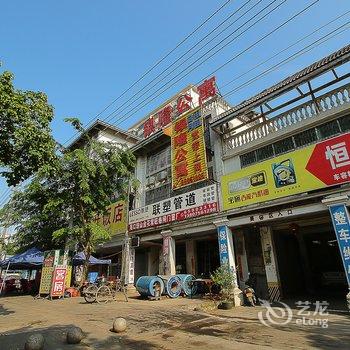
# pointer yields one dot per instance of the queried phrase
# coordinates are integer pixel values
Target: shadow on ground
(4, 311)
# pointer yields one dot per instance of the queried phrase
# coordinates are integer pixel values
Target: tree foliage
(65, 202)
(26, 143)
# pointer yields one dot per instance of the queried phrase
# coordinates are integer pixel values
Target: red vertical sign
(58, 282)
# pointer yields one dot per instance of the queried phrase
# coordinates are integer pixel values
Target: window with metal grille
(264, 152)
(305, 138)
(344, 123)
(248, 158)
(158, 194)
(328, 129)
(283, 146)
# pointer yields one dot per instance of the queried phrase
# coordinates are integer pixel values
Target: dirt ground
(167, 324)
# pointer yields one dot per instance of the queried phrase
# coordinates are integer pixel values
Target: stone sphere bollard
(74, 335)
(34, 342)
(119, 325)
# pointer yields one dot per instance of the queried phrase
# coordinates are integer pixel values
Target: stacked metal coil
(149, 285)
(188, 287)
(173, 286)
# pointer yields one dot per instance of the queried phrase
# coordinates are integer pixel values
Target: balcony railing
(332, 100)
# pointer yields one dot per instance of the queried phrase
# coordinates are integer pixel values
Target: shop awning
(79, 259)
(30, 258)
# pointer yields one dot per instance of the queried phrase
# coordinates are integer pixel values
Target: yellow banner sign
(115, 219)
(324, 164)
(189, 163)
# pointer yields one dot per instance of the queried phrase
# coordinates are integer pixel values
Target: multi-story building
(257, 185)
(285, 177)
(177, 200)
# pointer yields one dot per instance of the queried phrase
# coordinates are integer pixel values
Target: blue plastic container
(173, 286)
(188, 288)
(147, 285)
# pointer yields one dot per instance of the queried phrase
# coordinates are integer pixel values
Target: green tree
(26, 143)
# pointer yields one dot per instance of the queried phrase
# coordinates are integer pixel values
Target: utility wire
(291, 57)
(154, 65)
(285, 49)
(190, 65)
(149, 88)
(232, 59)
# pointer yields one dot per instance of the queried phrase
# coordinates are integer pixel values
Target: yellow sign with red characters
(314, 167)
(114, 220)
(189, 163)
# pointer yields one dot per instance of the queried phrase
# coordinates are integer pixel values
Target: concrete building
(284, 166)
(176, 208)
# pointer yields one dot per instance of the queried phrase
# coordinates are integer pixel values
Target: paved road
(165, 324)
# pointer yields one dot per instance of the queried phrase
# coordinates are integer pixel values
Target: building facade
(285, 182)
(262, 186)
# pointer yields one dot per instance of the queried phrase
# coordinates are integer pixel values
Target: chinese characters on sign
(206, 90)
(58, 281)
(313, 167)
(341, 224)
(192, 204)
(223, 245)
(189, 164)
(114, 219)
(181, 104)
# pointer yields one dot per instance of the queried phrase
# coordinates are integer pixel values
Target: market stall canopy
(30, 258)
(79, 259)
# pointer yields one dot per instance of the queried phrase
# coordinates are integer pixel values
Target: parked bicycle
(104, 291)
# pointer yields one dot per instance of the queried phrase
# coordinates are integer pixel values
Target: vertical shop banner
(223, 245)
(341, 224)
(58, 281)
(189, 163)
(310, 168)
(114, 220)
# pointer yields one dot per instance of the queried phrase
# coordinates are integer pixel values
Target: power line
(285, 49)
(149, 88)
(291, 57)
(232, 59)
(155, 65)
(190, 65)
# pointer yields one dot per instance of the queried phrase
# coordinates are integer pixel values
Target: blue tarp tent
(79, 259)
(30, 258)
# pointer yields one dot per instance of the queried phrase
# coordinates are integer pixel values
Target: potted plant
(225, 278)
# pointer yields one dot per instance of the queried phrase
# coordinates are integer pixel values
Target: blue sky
(83, 54)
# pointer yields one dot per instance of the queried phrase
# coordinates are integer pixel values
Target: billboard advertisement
(188, 155)
(188, 205)
(314, 167)
(114, 220)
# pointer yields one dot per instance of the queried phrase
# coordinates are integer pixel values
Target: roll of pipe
(188, 288)
(146, 285)
(173, 286)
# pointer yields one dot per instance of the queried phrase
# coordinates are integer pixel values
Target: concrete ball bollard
(74, 335)
(119, 325)
(34, 342)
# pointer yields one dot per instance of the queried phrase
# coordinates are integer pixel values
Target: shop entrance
(180, 252)
(208, 258)
(309, 261)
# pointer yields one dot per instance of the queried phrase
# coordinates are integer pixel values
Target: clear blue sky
(83, 54)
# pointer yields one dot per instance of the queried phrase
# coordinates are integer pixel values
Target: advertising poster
(58, 281)
(188, 155)
(314, 167)
(114, 220)
(185, 206)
